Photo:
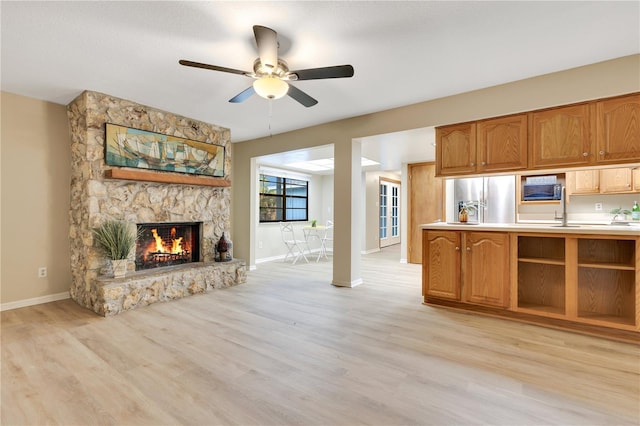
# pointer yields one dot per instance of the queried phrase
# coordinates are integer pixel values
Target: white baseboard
(269, 259)
(282, 256)
(34, 301)
(347, 283)
(370, 251)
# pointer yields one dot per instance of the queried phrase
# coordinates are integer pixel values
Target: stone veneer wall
(95, 199)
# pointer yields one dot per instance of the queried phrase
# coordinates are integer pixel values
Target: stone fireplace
(188, 218)
(167, 244)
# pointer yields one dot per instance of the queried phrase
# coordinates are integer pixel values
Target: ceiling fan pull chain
(270, 114)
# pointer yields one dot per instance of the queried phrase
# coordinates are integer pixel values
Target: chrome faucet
(563, 198)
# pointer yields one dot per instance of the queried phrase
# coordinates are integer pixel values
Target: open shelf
(605, 319)
(617, 266)
(525, 202)
(541, 287)
(541, 261)
(607, 295)
(541, 309)
(608, 253)
(541, 249)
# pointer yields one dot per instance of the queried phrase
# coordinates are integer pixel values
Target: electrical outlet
(598, 207)
(259, 244)
(42, 272)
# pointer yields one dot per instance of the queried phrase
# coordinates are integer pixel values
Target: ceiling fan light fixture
(270, 87)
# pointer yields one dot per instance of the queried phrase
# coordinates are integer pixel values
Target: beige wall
(35, 200)
(594, 81)
(35, 166)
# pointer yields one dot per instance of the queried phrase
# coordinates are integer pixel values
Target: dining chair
(326, 238)
(293, 245)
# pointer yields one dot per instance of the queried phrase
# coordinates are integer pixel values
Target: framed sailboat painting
(142, 149)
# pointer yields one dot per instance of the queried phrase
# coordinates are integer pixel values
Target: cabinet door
(615, 180)
(636, 180)
(456, 149)
(425, 205)
(441, 264)
(502, 144)
(618, 129)
(583, 182)
(486, 268)
(561, 137)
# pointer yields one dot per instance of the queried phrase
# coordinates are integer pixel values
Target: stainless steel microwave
(539, 192)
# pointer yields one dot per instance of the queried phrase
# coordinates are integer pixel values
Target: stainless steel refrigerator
(496, 193)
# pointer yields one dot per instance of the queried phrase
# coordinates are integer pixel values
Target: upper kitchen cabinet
(616, 180)
(502, 144)
(583, 182)
(456, 149)
(561, 137)
(618, 129)
(605, 181)
(595, 133)
(495, 145)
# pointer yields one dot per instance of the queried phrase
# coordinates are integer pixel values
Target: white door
(389, 213)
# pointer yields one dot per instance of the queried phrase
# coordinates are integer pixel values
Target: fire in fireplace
(167, 244)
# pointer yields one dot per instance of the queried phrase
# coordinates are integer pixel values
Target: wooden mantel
(164, 177)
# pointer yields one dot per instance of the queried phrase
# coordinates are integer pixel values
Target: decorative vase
(222, 248)
(463, 215)
(119, 268)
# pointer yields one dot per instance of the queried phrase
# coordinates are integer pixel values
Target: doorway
(389, 212)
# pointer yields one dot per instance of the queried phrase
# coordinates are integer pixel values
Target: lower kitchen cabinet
(585, 279)
(486, 268)
(469, 266)
(441, 264)
(586, 282)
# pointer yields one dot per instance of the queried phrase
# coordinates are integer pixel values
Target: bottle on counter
(635, 211)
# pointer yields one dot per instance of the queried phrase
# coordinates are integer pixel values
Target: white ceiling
(403, 52)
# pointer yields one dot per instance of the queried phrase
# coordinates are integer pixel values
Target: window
(283, 199)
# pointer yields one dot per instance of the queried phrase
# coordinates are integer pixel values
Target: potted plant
(468, 208)
(619, 214)
(116, 240)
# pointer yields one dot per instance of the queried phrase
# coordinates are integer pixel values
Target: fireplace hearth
(167, 244)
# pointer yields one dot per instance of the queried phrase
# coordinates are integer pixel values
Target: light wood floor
(289, 348)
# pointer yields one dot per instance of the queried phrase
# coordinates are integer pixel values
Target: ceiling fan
(272, 75)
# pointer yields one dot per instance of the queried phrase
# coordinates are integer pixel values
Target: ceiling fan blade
(338, 71)
(300, 96)
(267, 41)
(243, 96)
(212, 67)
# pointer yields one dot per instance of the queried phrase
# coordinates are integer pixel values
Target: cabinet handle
(484, 164)
(457, 248)
(585, 154)
(471, 164)
(601, 152)
(468, 248)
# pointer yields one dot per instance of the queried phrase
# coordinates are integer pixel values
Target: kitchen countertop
(632, 230)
